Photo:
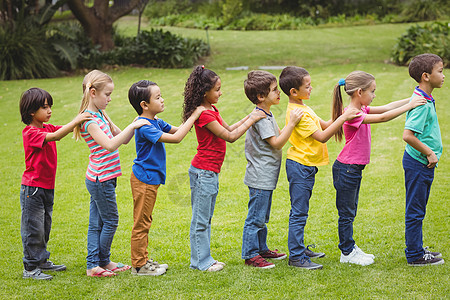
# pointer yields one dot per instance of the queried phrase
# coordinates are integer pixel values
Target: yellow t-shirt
(305, 149)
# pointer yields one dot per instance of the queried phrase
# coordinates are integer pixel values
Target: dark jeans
(347, 182)
(36, 223)
(301, 182)
(418, 180)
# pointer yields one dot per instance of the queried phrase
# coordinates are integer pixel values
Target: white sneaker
(157, 265)
(363, 253)
(215, 267)
(356, 258)
(148, 270)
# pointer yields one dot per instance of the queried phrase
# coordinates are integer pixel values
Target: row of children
(306, 132)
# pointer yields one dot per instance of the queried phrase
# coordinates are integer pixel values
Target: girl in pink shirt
(347, 169)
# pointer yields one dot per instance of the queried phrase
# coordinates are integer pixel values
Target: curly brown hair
(199, 82)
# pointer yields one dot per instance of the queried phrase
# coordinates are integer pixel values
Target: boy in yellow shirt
(308, 151)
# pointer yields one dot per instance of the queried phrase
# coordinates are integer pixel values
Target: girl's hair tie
(341, 82)
(203, 66)
(88, 85)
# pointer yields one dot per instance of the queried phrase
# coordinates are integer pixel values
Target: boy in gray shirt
(263, 151)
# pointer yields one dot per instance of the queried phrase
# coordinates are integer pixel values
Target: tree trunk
(98, 20)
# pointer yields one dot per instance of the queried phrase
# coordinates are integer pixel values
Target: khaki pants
(144, 198)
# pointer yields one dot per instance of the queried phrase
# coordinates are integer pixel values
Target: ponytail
(337, 109)
(93, 80)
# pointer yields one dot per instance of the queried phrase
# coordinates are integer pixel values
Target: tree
(98, 19)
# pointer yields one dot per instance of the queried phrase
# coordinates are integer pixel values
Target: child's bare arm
(279, 141)
(325, 135)
(180, 132)
(231, 136)
(393, 113)
(66, 129)
(413, 141)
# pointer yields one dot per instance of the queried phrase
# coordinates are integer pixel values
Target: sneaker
(304, 263)
(49, 266)
(435, 254)
(148, 270)
(215, 267)
(36, 274)
(356, 257)
(363, 253)
(427, 260)
(273, 254)
(313, 254)
(157, 265)
(259, 262)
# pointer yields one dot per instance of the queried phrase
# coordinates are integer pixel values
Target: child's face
(156, 104)
(304, 91)
(212, 96)
(273, 98)
(43, 114)
(102, 97)
(437, 75)
(368, 95)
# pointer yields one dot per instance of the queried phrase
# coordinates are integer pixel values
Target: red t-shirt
(40, 157)
(211, 149)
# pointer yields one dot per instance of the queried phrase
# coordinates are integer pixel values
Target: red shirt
(40, 157)
(211, 149)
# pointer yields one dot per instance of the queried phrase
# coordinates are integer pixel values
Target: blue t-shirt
(150, 162)
(423, 121)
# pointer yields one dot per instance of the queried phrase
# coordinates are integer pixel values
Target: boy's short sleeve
(35, 137)
(151, 133)
(165, 127)
(307, 126)
(265, 128)
(416, 119)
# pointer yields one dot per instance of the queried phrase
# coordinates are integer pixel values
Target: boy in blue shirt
(422, 153)
(263, 150)
(149, 169)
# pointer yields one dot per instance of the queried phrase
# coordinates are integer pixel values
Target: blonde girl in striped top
(103, 138)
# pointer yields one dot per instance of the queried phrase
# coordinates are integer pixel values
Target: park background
(328, 53)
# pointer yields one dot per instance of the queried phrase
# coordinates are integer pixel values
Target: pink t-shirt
(357, 141)
(211, 149)
(40, 157)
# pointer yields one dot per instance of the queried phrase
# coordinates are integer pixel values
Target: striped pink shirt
(103, 164)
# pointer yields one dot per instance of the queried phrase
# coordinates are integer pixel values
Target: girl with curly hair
(203, 89)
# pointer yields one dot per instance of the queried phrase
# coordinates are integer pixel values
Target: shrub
(430, 38)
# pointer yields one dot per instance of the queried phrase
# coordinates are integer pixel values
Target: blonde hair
(354, 81)
(93, 80)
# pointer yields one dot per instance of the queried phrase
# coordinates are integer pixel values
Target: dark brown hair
(258, 84)
(30, 102)
(292, 78)
(138, 92)
(422, 63)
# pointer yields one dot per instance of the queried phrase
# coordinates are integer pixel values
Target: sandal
(103, 273)
(120, 268)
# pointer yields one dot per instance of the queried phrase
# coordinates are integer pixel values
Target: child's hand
(417, 101)
(257, 115)
(139, 123)
(198, 111)
(295, 115)
(432, 160)
(351, 113)
(83, 117)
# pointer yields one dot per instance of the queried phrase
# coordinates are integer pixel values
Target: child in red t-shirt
(38, 180)
(203, 89)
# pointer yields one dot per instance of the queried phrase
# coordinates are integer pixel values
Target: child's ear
(144, 105)
(293, 92)
(260, 98)
(425, 76)
(92, 92)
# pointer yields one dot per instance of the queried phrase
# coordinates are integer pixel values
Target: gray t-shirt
(263, 161)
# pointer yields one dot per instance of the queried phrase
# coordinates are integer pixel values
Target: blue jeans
(301, 182)
(347, 182)
(254, 238)
(35, 225)
(418, 180)
(103, 221)
(204, 189)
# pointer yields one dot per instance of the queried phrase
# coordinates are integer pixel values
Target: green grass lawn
(328, 54)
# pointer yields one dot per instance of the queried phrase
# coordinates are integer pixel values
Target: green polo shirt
(423, 121)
